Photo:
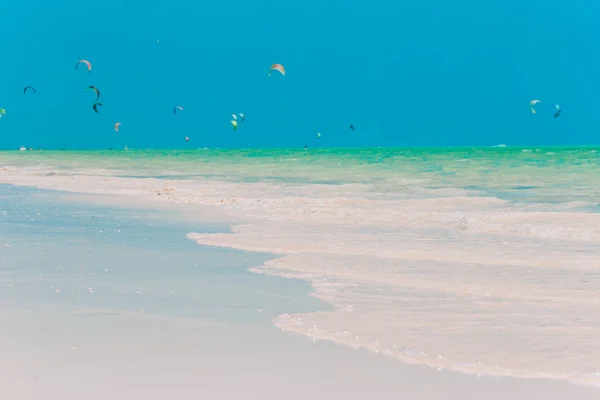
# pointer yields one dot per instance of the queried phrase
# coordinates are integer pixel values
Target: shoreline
(336, 285)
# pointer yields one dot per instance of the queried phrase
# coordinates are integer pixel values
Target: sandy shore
(70, 355)
(471, 284)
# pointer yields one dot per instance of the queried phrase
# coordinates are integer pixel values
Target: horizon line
(498, 146)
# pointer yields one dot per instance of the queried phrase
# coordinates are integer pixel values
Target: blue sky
(433, 73)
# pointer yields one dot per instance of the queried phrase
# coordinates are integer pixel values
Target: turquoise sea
(550, 175)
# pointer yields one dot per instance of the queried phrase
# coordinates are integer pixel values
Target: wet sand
(57, 354)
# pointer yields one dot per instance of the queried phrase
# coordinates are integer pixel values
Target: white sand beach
(449, 281)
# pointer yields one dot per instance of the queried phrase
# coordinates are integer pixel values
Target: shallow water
(549, 175)
(58, 253)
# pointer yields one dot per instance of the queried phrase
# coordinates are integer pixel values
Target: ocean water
(483, 261)
(533, 174)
